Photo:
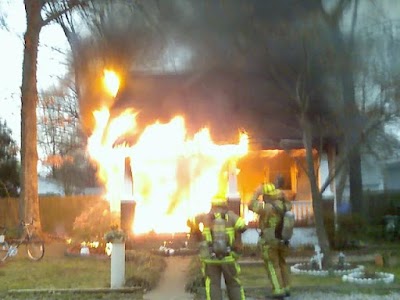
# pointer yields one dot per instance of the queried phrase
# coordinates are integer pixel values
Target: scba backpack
(288, 225)
(284, 230)
(220, 245)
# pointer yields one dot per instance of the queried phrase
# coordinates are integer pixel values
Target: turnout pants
(212, 273)
(274, 257)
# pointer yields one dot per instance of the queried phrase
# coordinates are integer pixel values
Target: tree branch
(66, 6)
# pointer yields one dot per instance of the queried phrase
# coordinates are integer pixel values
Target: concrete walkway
(173, 280)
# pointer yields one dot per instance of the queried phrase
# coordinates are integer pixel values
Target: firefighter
(273, 249)
(217, 249)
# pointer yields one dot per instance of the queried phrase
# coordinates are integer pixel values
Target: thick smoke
(228, 81)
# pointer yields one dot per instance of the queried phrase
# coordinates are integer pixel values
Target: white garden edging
(296, 269)
(340, 272)
(354, 275)
(358, 277)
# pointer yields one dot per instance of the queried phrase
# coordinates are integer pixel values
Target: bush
(94, 222)
(195, 280)
(351, 230)
(143, 269)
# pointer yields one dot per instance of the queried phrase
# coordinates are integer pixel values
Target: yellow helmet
(269, 189)
(219, 200)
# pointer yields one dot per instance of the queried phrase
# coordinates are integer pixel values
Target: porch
(304, 231)
(303, 210)
(304, 213)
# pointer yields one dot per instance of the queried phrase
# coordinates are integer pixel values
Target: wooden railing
(303, 210)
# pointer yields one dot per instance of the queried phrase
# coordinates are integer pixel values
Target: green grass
(254, 279)
(255, 276)
(76, 272)
(142, 270)
(68, 272)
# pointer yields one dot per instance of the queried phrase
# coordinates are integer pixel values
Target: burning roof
(226, 102)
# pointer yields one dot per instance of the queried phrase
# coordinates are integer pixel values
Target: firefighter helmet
(269, 189)
(219, 200)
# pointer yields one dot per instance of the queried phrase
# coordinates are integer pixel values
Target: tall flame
(174, 176)
(111, 82)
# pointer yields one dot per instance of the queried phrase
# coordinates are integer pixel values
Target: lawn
(256, 283)
(90, 278)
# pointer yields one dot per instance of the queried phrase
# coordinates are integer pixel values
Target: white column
(233, 196)
(116, 186)
(118, 265)
(128, 180)
(233, 191)
(332, 170)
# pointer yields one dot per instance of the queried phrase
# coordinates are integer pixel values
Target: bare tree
(345, 66)
(61, 138)
(58, 124)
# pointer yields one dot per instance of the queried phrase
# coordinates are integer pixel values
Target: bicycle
(34, 244)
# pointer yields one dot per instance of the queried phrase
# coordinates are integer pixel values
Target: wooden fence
(57, 213)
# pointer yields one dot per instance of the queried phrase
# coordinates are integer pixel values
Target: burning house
(170, 142)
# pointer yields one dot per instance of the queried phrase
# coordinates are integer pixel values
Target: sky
(50, 62)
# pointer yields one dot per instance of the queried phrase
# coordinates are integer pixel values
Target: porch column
(128, 203)
(332, 170)
(233, 192)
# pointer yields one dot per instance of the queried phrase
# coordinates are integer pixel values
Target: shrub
(94, 222)
(351, 230)
(195, 277)
(143, 269)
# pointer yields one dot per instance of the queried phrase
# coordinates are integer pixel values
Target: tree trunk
(351, 117)
(29, 200)
(342, 176)
(316, 195)
(352, 140)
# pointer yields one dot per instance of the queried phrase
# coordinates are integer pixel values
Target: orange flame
(111, 82)
(174, 177)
